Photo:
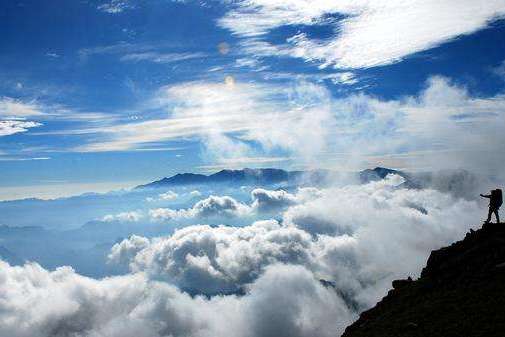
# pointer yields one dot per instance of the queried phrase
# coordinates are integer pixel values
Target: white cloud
(133, 216)
(7, 158)
(346, 77)
(167, 196)
(267, 201)
(254, 122)
(228, 116)
(359, 236)
(195, 194)
(126, 250)
(14, 114)
(10, 127)
(370, 33)
(218, 206)
(213, 206)
(262, 200)
(37, 302)
(115, 6)
(11, 108)
(170, 195)
(219, 259)
(164, 214)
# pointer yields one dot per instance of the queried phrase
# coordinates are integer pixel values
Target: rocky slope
(461, 293)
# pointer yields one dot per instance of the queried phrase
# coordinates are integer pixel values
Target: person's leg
(497, 216)
(490, 212)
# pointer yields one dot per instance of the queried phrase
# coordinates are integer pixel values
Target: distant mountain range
(269, 176)
(9, 257)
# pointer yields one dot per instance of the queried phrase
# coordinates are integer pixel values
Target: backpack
(497, 197)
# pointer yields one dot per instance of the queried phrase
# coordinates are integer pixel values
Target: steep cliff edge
(461, 293)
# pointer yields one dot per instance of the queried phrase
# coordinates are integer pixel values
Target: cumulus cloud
(219, 206)
(164, 214)
(62, 303)
(219, 259)
(132, 216)
(267, 200)
(195, 194)
(213, 206)
(358, 236)
(126, 250)
(262, 201)
(366, 33)
(167, 196)
(170, 195)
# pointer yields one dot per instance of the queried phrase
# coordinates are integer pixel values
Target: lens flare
(229, 81)
(224, 48)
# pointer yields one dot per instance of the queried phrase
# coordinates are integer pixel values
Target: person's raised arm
(486, 196)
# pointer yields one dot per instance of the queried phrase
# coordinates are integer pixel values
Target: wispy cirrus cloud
(115, 6)
(11, 108)
(17, 116)
(227, 117)
(7, 158)
(366, 34)
(15, 109)
(158, 57)
(500, 70)
(142, 52)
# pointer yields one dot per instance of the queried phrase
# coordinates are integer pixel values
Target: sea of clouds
(305, 265)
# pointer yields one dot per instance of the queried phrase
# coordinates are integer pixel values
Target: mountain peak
(246, 175)
(460, 293)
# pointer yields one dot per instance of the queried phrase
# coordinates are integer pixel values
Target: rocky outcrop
(460, 293)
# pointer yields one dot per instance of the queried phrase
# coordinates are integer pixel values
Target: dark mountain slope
(461, 293)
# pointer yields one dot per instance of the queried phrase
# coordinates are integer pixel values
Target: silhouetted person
(495, 201)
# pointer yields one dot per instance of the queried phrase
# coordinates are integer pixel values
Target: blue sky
(100, 94)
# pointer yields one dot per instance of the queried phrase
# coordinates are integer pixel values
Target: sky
(99, 95)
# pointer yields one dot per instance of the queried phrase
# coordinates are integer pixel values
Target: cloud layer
(350, 235)
(62, 303)
(262, 279)
(241, 121)
(366, 33)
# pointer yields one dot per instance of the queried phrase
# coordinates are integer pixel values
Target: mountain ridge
(268, 176)
(461, 292)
